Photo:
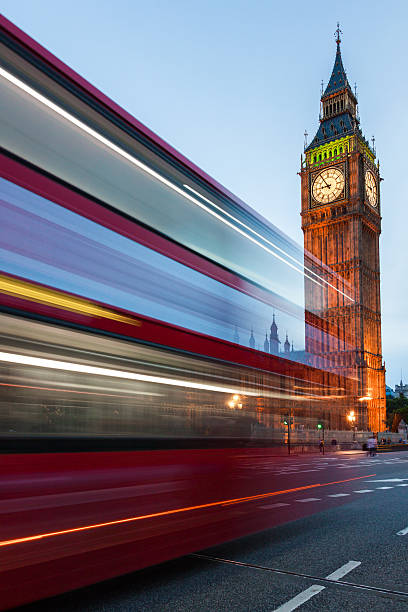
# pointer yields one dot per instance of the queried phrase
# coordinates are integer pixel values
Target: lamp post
(288, 422)
(320, 428)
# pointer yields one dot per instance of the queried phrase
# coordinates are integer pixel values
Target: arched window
(320, 158)
(325, 156)
(335, 152)
(341, 150)
(331, 153)
(314, 159)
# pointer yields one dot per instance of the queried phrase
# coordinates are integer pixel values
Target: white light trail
(301, 268)
(94, 134)
(98, 371)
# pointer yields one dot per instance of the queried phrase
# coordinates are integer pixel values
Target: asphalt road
(339, 546)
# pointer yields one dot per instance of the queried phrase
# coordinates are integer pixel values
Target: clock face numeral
(371, 188)
(328, 185)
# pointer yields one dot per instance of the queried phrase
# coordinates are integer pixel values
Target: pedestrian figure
(321, 446)
(372, 446)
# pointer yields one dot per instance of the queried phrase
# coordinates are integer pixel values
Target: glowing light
(174, 511)
(235, 398)
(105, 141)
(98, 371)
(365, 398)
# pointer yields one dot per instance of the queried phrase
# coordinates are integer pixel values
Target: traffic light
(286, 422)
(320, 426)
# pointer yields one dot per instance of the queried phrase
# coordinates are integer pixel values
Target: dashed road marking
(384, 487)
(339, 495)
(402, 485)
(274, 506)
(364, 491)
(308, 499)
(403, 531)
(387, 480)
(343, 570)
(300, 599)
(315, 589)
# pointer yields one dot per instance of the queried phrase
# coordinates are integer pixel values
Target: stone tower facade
(341, 222)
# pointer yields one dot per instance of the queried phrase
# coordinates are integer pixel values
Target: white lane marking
(384, 487)
(388, 480)
(364, 491)
(300, 599)
(402, 485)
(339, 495)
(403, 531)
(343, 570)
(315, 589)
(309, 499)
(274, 506)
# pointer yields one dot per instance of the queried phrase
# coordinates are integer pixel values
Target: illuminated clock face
(328, 185)
(371, 188)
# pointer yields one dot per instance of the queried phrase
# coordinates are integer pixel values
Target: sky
(234, 84)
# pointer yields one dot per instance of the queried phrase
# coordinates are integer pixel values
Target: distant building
(401, 388)
(272, 344)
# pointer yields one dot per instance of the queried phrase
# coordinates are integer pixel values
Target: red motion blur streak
(176, 511)
(167, 496)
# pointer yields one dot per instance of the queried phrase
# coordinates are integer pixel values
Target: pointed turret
(274, 329)
(286, 346)
(252, 339)
(266, 343)
(274, 338)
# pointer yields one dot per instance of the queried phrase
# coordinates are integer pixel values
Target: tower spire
(338, 105)
(337, 35)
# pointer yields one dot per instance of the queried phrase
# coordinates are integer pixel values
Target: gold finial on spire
(337, 34)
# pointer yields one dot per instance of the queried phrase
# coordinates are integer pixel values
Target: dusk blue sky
(233, 85)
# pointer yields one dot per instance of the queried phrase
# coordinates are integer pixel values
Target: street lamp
(235, 402)
(288, 422)
(351, 417)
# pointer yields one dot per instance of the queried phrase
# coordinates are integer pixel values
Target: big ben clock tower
(341, 223)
